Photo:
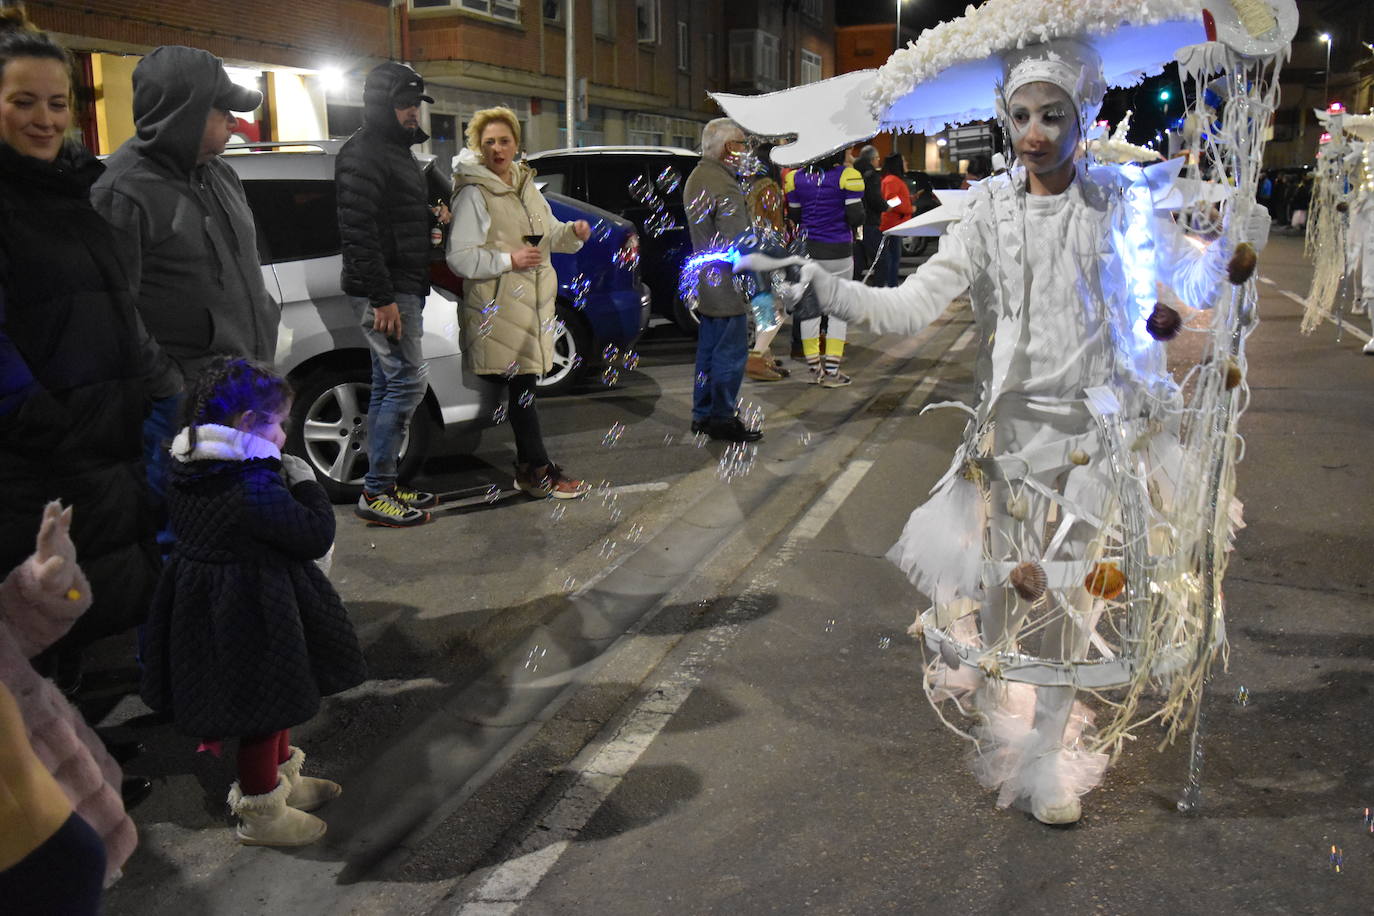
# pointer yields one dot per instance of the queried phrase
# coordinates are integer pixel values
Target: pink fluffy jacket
(30, 621)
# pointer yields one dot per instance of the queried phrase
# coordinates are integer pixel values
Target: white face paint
(1043, 129)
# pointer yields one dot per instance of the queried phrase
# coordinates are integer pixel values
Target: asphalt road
(693, 692)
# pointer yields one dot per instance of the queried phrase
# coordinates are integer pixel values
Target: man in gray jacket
(723, 342)
(191, 245)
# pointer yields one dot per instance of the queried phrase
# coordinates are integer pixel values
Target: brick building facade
(647, 64)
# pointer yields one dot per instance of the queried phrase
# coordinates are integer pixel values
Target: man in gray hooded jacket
(191, 245)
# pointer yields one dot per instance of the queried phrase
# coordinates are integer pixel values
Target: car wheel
(913, 246)
(686, 319)
(572, 346)
(329, 430)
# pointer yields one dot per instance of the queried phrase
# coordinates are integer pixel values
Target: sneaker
(386, 509)
(415, 499)
(834, 380)
(564, 487)
(1369, 347)
(549, 481)
(731, 430)
(527, 482)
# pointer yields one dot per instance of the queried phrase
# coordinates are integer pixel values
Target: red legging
(259, 757)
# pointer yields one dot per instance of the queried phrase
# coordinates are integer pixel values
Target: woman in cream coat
(503, 232)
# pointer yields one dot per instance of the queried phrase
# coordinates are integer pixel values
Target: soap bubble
(610, 375)
(736, 461)
(526, 398)
(668, 180)
(576, 360)
(668, 438)
(626, 258)
(1243, 696)
(702, 379)
(601, 231)
(498, 416)
(699, 439)
(804, 437)
(559, 510)
(607, 548)
(492, 495)
(512, 370)
(699, 207)
(569, 583)
(884, 642)
(641, 190)
(613, 435)
(726, 205)
(610, 353)
(579, 286)
(636, 533)
(630, 360)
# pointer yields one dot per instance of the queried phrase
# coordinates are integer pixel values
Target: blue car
(601, 300)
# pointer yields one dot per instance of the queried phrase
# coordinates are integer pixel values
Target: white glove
(788, 295)
(296, 470)
(822, 281)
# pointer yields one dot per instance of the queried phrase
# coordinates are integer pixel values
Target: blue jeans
(398, 386)
(892, 261)
(722, 349)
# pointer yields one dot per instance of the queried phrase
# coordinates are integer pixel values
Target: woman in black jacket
(71, 369)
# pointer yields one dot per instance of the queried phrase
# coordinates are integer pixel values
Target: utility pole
(570, 103)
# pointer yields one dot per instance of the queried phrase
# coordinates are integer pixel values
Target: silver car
(320, 346)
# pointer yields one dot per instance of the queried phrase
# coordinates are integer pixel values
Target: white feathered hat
(950, 73)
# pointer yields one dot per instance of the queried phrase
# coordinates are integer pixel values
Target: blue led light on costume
(693, 266)
(1137, 250)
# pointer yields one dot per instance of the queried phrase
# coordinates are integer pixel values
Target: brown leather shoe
(760, 368)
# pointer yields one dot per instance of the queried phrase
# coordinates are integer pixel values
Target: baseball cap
(410, 91)
(230, 96)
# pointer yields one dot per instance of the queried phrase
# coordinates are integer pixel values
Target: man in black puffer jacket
(384, 222)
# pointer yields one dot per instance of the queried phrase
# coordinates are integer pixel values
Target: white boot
(266, 820)
(307, 792)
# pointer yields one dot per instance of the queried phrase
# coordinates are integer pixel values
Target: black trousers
(523, 417)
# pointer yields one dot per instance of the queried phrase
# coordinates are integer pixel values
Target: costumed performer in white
(1056, 290)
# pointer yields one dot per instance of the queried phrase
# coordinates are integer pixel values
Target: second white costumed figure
(1053, 536)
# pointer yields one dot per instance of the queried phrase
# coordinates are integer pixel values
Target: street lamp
(899, 25)
(1325, 38)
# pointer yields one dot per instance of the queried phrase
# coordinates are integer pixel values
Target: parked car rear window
(608, 182)
(296, 219)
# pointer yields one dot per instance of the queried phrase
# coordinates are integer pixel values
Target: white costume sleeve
(1192, 270)
(909, 308)
(468, 254)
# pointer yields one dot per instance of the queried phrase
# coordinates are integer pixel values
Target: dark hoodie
(192, 245)
(384, 216)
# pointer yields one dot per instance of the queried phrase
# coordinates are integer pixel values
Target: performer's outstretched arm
(908, 308)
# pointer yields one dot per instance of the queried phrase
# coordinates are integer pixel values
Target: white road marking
(509, 884)
(1267, 282)
(651, 487)
(1354, 331)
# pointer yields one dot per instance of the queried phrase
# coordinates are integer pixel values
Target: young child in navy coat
(246, 634)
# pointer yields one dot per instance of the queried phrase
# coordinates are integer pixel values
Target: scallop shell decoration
(1028, 580)
(1105, 581)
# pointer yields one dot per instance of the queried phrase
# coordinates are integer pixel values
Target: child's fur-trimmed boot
(307, 792)
(266, 820)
